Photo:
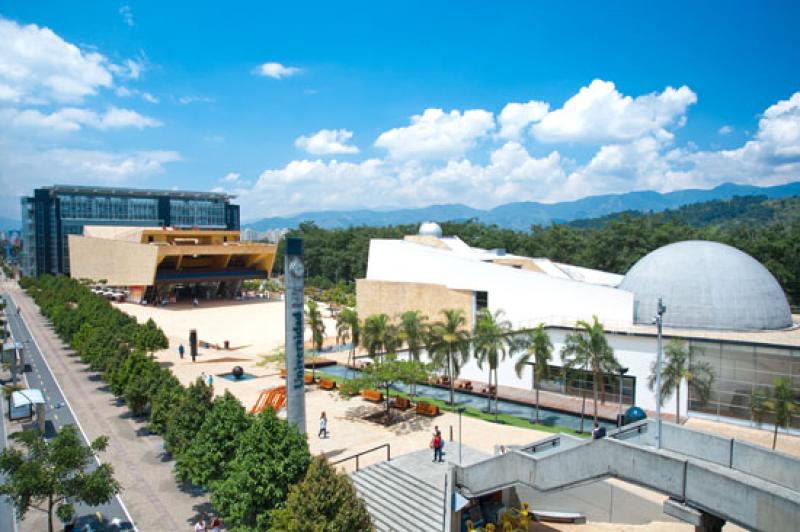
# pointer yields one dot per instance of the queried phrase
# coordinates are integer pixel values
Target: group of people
(215, 525)
(437, 444)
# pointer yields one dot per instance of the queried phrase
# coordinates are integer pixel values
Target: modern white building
(723, 302)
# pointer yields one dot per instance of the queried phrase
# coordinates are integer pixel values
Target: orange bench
(427, 409)
(308, 379)
(327, 384)
(372, 395)
(283, 373)
(401, 403)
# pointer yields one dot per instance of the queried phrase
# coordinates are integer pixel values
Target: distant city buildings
(52, 213)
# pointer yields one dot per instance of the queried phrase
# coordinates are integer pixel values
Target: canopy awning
(31, 396)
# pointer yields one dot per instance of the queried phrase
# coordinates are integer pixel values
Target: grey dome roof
(707, 285)
(430, 229)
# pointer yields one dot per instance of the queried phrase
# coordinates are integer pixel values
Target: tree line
(257, 468)
(613, 244)
(450, 345)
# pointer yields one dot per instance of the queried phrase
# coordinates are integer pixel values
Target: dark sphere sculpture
(237, 372)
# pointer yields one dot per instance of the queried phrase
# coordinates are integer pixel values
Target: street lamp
(460, 411)
(659, 320)
(622, 372)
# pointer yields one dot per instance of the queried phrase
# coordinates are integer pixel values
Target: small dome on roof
(707, 285)
(430, 229)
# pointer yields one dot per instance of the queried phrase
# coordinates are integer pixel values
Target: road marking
(74, 416)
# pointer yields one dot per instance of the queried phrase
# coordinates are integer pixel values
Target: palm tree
(758, 406)
(680, 365)
(413, 330)
(588, 348)
(492, 342)
(539, 352)
(348, 329)
(380, 335)
(781, 404)
(317, 327)
(449, 344)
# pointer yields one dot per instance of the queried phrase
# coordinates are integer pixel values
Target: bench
(283, 373)
(400, 403)
(308, 379)
(427, 409)
(372, 395)
(327, 384)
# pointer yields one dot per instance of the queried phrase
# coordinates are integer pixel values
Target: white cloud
(127, 15)
(276, 70)
(37, 66)
(73, 119)
(437, 135)
(231, 177)
(185, 100)
(150, 98)
(725, 130)
(599, 113)
(516, 117)
(327, 142)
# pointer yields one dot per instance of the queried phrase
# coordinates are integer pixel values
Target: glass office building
(54, 212)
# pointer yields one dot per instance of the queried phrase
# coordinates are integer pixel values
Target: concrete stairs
(398, 501)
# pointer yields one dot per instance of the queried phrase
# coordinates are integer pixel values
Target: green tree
(54, 474)
(679, 365)
(448, 345)
(413, 331)
(169, 393)
(587, 348)
(492, 341)
(325, 501)
(348, 329)
(270, 456)
(781, 404)
(214, 445)
(317, 327)
(538, 352)
(383, 375)
(757, 402)
(190, 412)
(380, 335)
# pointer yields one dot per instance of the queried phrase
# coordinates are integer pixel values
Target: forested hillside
(769, 230)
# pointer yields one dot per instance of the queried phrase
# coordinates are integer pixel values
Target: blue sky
(312, 106)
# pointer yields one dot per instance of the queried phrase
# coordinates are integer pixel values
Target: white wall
(526, 297)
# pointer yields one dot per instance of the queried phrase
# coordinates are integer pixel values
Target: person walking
(323, 426)
(200, 526)
(437, 447)
(210, 380)
(181, 350)
(215, 524)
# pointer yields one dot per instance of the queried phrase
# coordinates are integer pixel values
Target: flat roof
(31, 396)
(124, 191)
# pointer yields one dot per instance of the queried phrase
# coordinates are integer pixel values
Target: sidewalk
(151, 494)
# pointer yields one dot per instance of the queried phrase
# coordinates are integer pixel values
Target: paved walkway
(149, 489)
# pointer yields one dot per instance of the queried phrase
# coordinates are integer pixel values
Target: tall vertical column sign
(294, 271)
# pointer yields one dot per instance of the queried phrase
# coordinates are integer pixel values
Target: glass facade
(577, 382)
(739, 370)
(53, 213)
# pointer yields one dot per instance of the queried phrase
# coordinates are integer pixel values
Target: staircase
(399, 502)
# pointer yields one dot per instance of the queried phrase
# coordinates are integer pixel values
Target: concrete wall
(120, 263)
(765, 463)
(393, 298)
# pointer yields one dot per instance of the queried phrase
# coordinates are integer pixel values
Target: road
(58, 414)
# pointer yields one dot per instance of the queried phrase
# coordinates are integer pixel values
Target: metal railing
(358, 455)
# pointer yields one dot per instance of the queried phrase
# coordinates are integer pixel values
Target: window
(481, 300)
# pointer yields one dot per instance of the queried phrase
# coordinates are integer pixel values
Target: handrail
(357, 455)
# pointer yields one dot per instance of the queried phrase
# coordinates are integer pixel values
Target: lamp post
(659, 319)
(460, 411)
(622, 372)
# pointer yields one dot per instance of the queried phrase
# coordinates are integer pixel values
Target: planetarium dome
(430, 229)
(707, 285)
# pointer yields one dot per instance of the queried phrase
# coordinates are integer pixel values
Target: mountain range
(522, 215)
